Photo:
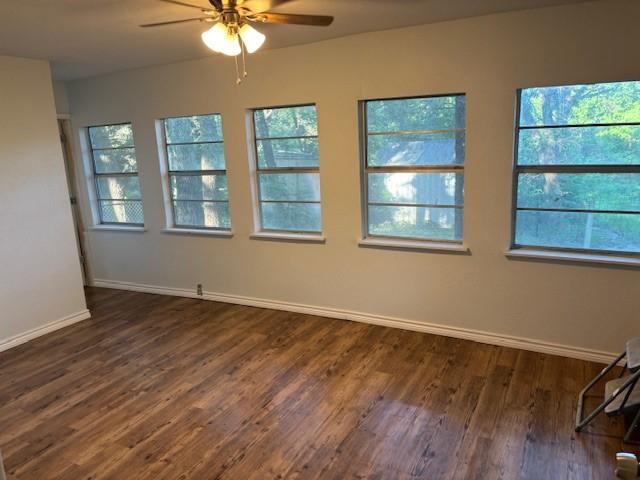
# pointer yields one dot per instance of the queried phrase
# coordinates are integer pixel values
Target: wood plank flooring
(155, 387)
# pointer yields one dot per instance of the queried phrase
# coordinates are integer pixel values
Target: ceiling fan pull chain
(244, 61)
(238, 79)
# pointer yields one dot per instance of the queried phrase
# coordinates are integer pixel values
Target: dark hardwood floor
(155, 387)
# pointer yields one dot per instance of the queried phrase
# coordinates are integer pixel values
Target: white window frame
(555, 252)
(92, 181)
(254, 170)
(406, 242)
(166, 174)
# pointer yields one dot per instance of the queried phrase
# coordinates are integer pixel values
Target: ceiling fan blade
(295, 19)
(190, 5)
(217, 4)
(160, 24)
(258, 6)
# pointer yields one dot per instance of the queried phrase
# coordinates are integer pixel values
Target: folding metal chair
(622, 395)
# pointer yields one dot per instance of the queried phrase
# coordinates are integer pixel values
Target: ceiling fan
(232, 33)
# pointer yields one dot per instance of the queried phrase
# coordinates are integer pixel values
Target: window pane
(599, 231)
(291, 152)
(581, 104)
(416, 222)
(115, 161)
(119, 188)
(433, 149)
(202, 214)
(290, 186)
(199, 187)
(111, 136)
(580, 191)
(286, 122)
(431, 113)
(118, 211)
(207, 156)
(405, 187)
(300, 217)
(199, 128)
(580, 146)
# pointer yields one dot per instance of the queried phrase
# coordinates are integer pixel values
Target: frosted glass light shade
(220, 39)
(251, 38)
(214, 37)
(231, 45)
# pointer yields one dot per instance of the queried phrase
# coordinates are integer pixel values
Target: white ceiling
(91, 37)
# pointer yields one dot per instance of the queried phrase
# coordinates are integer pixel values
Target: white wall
(40, 278)
(60, 97)
(578, 305)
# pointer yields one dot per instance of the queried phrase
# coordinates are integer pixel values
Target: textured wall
(488, 58)
(40, 278)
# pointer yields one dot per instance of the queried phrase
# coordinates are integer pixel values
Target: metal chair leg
(579, 422)
(628, 384)
(634, 424)
(624, 368)
(628, 394)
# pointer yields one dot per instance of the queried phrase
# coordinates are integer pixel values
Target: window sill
(289, 237)
(443, 247)
(118, 228)
(575, 257)
(197, 231)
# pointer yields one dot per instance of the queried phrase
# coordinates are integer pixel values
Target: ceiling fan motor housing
(231, 17)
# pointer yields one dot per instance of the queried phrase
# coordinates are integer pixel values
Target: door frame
(64, 129)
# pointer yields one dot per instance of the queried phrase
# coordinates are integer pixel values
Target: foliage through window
(414, 151)
(116, 174)
(577, 172)
(197, 172)
(288, 168)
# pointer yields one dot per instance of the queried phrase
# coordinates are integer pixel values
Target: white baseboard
(7, 343)
(447, 331)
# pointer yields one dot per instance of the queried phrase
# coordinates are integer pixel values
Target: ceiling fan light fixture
(251, 38)
(231, 33)
(214, 38)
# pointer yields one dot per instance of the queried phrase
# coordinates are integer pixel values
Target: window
(287, 169)
(413, 167)
(115, 171)
(577, 168)
(197, 173)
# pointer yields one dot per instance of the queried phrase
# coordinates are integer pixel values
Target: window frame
(167, 173)
(259, 229)
(365, 169)
(96, 176)
(596, 168)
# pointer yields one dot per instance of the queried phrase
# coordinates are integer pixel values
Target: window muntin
(197, 173)
(577, 168)
(287, 169)
(413, 167)
(115, 170)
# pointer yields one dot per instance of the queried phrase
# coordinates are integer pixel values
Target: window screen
(577, 169)
(288, 169)
(116, 174)
(414, 151)
(197, 172)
